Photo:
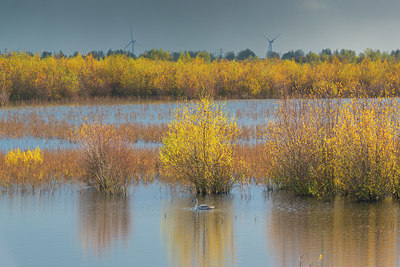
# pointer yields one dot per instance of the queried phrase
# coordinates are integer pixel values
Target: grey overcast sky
(176, 25)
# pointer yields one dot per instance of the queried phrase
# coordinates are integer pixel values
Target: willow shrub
(365, 150)
(199, 146)
(105, 157)
(298, 157)
(325, 148)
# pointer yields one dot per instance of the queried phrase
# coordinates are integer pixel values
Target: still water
(155, 226)
(246, 112)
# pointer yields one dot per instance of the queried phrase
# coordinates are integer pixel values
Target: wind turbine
(270, 44)
(132, 42)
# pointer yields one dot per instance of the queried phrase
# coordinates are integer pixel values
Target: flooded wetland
(154, 227)
(194, 133)
(65, 223)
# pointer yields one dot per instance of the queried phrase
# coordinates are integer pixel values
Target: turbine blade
(131, 32)
(127, 45)
(267, 38)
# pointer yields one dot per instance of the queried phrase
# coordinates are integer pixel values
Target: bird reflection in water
(198, 238)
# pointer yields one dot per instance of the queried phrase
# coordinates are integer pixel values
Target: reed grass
(55, 168)
(48, 127)
(65, 166)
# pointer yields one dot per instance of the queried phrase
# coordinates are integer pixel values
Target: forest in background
(24, 76)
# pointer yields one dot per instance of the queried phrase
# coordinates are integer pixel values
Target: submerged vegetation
(27, 77)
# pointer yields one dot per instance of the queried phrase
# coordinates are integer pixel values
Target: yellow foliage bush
(323, 148)
(365, 149)
(26, 158)
(198, 148)
(23, 166)
(297, 154)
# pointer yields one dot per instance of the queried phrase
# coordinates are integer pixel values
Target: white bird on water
(202, 206)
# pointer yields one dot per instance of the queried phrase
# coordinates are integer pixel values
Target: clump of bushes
(22, 167)
(326, 148)
(199, 146)
(25, 77)
(296, 149)
(105, 158)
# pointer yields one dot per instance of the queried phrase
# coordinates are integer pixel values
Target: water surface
(247, 112)
(155, 227)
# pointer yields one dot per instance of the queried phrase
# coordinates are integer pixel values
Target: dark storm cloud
(207, 24)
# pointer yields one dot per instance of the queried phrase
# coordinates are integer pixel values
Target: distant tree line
(155, 74)
(299, 56)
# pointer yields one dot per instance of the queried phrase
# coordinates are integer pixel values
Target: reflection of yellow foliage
(346, 234)
(199, 239)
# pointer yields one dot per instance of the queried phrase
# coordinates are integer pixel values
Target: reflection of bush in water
(205, 239)
(345, 233)
(103, 220)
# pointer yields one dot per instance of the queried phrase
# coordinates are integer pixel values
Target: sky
(211, 25)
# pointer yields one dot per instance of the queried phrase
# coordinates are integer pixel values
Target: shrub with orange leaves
(105, 158)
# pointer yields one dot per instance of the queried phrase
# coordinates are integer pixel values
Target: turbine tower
(132, 42)
(270, 44)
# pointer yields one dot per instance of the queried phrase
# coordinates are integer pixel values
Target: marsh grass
(320, 148)
(52, 169)
(65, 166)
(250, 163)
(49, 125)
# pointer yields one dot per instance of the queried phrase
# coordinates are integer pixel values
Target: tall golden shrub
(198, 148)
(365, 150)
